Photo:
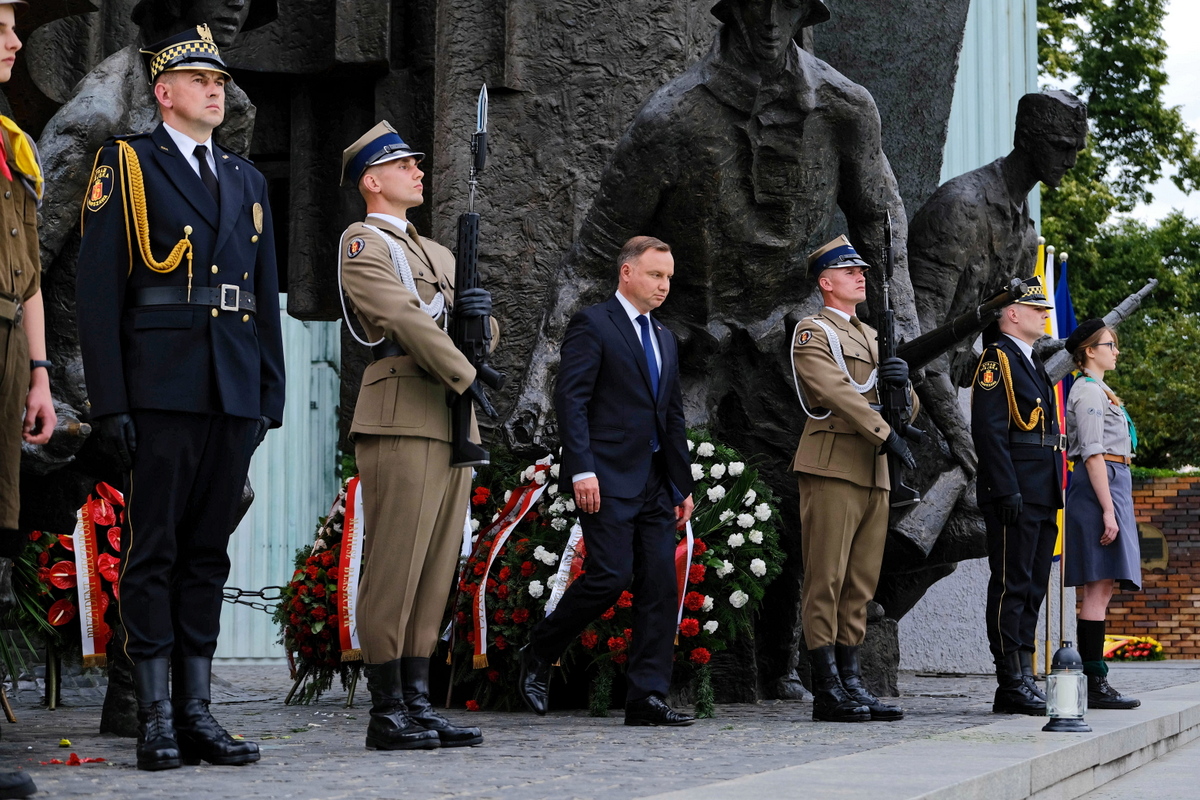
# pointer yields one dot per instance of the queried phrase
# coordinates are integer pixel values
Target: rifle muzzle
(492, 378)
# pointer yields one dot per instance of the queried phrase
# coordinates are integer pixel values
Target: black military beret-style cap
(1082, 333)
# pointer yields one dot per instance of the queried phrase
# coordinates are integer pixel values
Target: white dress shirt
(391, 219)
(1024, 347)
(187, 146)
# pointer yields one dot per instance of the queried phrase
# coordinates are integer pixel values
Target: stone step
(1007, 760)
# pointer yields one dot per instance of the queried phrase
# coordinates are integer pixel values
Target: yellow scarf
(22, 155)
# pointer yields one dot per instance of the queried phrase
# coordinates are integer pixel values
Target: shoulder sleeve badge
(101, 188)
(989, 375)
(356, 246)
(804, 337)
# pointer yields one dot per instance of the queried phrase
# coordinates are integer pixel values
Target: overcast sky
(1182, 32)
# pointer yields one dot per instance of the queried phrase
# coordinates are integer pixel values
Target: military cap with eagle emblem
(837, 253)
(377, 146)
(190, 50)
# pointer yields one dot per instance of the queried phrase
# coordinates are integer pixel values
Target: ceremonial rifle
(928, 346)
(472, 335)
(895, 400)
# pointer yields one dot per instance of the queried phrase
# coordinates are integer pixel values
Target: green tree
(1112, 54)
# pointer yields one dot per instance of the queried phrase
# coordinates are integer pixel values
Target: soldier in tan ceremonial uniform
(844, 484)
(400, 288)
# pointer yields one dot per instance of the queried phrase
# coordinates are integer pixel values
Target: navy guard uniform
(1014, 425)
(178, 312)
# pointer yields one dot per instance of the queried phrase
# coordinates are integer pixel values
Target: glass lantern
(1066, 692)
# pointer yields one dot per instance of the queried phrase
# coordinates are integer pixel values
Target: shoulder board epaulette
(123, 137)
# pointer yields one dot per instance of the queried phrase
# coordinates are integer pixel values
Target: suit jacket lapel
(846, 329)
(411, 245)
(180, 173)
(229, 176)
(665, 354)
(619, 318)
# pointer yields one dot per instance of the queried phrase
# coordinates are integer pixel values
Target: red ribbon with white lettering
(349, 562)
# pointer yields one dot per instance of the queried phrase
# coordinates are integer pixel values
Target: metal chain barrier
(271, 596)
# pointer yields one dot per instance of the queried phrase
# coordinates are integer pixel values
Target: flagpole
(1048, 285)
(1038, 267)
(1062, 558)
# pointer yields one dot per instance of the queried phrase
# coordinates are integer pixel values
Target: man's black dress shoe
(653, 710)
(534, 684)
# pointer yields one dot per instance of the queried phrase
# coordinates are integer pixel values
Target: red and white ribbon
(518, 505)
(93, 630)
(565, 574)
(349, 561)
(683, 566)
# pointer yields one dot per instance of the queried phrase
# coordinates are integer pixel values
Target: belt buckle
(225, 289)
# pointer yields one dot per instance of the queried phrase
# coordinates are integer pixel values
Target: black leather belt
(226, 297)
(386, 349)
(1055, 440)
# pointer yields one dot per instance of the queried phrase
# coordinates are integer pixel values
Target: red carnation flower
(306, 650)
(297, 604)
(504, 573)
(493, 675)
(627, 633)
(500, 617)
(319, 590)
(479, 567)
(43, 558)
(689, 627)
(312, 572)
(696, 573)
(311, 560)
(35, 535)
(319, 612)
(620, 658)
(520, 616)
(500, 642)
(303, 590)
(502, 591)
(327, 558)
(491, 585)
(333, 574)
(693, 601)
(470, 637)
(472, 705)
(612, 612)
(699, 548)
(700, 656)
(625, 600)
(460, 617)
(617, 643)
(294, 618)
(527, 569)
(589, 639)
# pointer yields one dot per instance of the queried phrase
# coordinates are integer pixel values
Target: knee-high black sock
(1091, 646)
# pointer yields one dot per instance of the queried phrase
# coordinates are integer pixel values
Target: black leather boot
(1102, 695)
(1012, 694)
(157, 747)
(830, 701)
(390, 727)
(849, 671)
(201, 738)
(1027, 675)
(422, 712)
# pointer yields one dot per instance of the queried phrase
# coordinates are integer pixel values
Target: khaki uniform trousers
(414, 505)
(843, 532)
(14, 388)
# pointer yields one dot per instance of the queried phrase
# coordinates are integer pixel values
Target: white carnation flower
(552, 489)
(745, 521)
(474, 524)
(762, 511)
(716, 493)
(736, 540)
(551, 581)
(697, 472)
(554, 470)
(755, 536)
(539, 477)
(496, 516)
(508, 495)
(758, 567)
(725, 515)
(558, 523)
(556, 508)
(736, 468)
(705, 449)
(545, 461)
(708, 601)
(711, 626)
(691, 445)
(724, 569)
(717, 471)
(536, 588)
(750, 497)
(739, 599)
(570, 504)
(527, 475)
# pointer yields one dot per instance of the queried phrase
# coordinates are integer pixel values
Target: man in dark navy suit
(178, 307)
(624, 447)
(1014, 425)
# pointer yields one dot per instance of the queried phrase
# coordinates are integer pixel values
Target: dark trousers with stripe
(1019, 556)
(630, 545)
(181, 500)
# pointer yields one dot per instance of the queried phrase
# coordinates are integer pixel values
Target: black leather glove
(264, 424)
(896, 446)
(473, 303)
(477, 393)
(117, 438)
(1008, 508)
(894, 372)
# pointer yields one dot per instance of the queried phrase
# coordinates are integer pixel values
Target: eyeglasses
(1110, 345)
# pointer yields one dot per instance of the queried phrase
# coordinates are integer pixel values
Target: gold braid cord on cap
(1036, 417)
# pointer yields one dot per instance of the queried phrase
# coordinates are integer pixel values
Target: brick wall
(1168, 607)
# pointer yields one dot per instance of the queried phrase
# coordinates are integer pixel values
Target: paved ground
(1170, 777)
(317, 751)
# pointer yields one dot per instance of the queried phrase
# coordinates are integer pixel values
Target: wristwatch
(34, 364)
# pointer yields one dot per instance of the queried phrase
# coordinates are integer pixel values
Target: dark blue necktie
(648, 346)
